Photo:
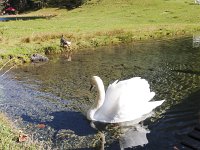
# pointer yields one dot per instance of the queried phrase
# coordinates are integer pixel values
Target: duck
(64, 42)
(123, 101)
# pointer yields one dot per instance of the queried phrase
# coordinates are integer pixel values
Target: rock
(39, 58)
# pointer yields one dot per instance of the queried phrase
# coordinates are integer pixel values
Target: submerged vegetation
(99, 23)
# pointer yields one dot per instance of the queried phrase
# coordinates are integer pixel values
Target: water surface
(57, 94)
(15, 18)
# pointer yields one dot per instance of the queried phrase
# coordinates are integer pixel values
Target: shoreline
(91, 41)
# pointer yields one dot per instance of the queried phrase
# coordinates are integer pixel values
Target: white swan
(125, 100)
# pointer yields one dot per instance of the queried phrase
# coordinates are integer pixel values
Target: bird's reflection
(128, 134)
(68, 56)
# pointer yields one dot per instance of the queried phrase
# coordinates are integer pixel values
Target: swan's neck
(99, 100)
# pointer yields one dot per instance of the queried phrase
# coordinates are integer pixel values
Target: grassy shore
(9, 137)
(99, 23)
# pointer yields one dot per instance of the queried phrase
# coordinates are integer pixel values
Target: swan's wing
(131, 91)
(126, 100)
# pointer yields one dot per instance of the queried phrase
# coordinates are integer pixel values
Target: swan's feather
(126, 100)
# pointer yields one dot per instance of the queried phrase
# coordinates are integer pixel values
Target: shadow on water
(74, 121)
(68, 127)
(130, 135)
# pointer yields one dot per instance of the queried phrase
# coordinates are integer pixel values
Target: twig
(5, 64)
(7, 71)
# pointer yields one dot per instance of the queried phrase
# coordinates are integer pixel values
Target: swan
(123, 101)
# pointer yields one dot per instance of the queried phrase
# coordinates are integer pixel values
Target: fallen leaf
(41, 126)
(22, 137)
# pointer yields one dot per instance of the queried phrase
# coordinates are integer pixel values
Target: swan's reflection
(132, 137)
(128, 134)
(134, 132)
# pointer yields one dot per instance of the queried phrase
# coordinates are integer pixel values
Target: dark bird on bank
(64, 42)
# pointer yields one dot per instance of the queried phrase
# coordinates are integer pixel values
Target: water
(57, 95)
(15, 18)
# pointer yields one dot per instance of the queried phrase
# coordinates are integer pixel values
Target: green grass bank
(9, 137)
(99, 23)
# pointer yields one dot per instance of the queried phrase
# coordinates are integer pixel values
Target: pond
(56, 94)
(15, 18)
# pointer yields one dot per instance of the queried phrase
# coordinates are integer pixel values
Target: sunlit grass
(102, 22)
(9, 137)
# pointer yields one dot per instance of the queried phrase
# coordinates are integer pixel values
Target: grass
(9, 137)
(100, 23)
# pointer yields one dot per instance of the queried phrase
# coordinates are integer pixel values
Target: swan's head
(94, 81)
